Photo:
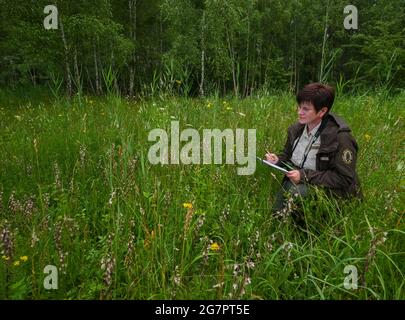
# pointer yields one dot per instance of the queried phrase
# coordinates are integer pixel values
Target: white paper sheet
(272, 165)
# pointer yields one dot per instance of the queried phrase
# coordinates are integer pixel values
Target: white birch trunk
(67, 66)
(202, 55)
(77, 73)
(321, 74)
(98, 91)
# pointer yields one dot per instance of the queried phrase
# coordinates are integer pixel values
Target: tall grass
(78, 192)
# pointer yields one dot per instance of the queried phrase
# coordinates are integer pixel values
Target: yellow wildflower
(367, 137)
(188, 205)
(214, 246)
(24, 258)
(16, 263)
(5, 258)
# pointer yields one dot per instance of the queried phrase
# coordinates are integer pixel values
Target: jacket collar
(328, 135)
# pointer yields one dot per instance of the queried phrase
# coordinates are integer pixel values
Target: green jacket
(335, 160)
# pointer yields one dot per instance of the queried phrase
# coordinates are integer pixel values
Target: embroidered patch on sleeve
(347, 156)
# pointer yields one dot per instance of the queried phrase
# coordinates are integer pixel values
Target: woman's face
(307, 113)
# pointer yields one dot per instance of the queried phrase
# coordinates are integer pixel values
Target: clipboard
(272, 165)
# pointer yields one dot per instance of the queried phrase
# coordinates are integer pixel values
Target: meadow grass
(77, 191)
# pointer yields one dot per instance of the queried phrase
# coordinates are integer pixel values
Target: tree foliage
(195, 46)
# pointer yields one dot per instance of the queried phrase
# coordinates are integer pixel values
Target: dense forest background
(201, 47)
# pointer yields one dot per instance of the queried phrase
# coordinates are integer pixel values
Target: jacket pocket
(324, 161)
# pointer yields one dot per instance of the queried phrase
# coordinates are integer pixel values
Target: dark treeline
(201, 47)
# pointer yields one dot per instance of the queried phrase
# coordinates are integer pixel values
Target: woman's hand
(272, 158)
(294, 176)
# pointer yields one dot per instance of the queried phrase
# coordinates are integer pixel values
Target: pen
(287, 165)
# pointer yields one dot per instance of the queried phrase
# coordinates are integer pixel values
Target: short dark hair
(320, 95)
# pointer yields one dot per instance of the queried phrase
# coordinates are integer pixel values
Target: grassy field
(77, 191)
